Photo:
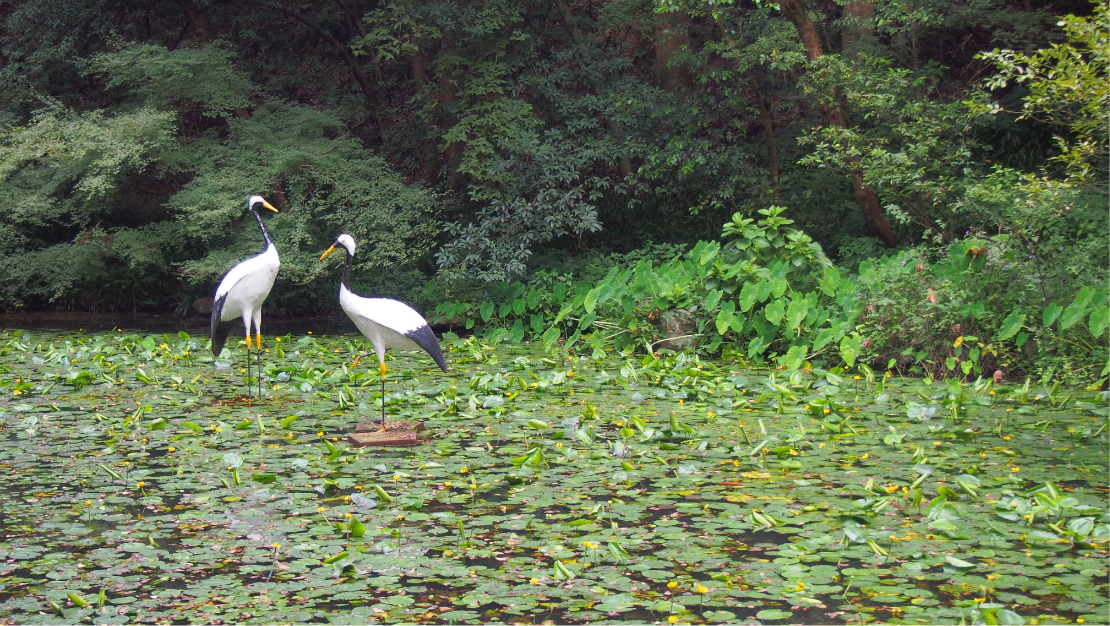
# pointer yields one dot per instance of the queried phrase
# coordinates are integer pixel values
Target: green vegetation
(891, 179)
(785, 312)
(562, 484)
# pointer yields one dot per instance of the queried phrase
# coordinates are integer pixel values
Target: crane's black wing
(219, 330)
(425, 338)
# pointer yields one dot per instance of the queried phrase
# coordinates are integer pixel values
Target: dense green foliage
(564, 170)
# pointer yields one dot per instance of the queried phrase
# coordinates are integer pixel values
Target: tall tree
(795, 11)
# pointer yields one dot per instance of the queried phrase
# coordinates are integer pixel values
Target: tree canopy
(466, 140)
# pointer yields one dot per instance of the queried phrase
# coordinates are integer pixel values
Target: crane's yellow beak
(330, 250)
(269, 206)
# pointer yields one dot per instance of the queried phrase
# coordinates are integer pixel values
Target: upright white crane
(242, 292)
(386, 323)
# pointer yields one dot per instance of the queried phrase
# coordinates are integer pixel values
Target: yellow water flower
(702, 589)
(534, 581)
(672, 585)
(463, 470)
(672, 619)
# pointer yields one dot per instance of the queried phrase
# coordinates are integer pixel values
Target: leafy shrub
(974, 310)
(769, 286)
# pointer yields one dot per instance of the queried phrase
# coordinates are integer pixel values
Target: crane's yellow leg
(383, 393)
(259, 337)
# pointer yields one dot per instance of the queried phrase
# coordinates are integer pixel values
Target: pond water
(556, 487)
(193, 324)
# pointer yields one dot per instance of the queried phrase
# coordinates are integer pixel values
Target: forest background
(912, 185)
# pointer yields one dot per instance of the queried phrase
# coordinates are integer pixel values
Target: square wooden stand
(394, 434)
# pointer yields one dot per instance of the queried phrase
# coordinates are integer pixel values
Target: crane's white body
(246, 287)
(383, 321)
(386, 323)
(242, 292)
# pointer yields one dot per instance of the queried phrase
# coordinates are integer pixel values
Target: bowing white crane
(242, 291)
(386, 323)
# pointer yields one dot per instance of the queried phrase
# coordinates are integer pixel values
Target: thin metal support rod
(248, 368)
(258, 360)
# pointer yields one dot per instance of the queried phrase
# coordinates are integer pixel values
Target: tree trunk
(671, 34)
(768, 133)
(429, 153)
(196, 21)
(860, 28)
(868, 202)
(448, 93)
(375, 100)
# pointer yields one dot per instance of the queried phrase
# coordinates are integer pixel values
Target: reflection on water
(337, 324)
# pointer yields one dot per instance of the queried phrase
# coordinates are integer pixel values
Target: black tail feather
(219, 331)
(425, 338)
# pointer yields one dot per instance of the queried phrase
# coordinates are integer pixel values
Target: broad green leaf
(1010, 326)
(1051, 312)
(774, 310)
(763, 290)
(796, 312)
(518, 306)
(1100, 318)
(748, 296)
(850, 347)
(794, 357)
(823, 338)
(1083, 297)
(712, 300)
(1071, 315)
(591, 299)
(486, 310)
(724, 321)
(957, 562)
(1006, 617)
(755, 346)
